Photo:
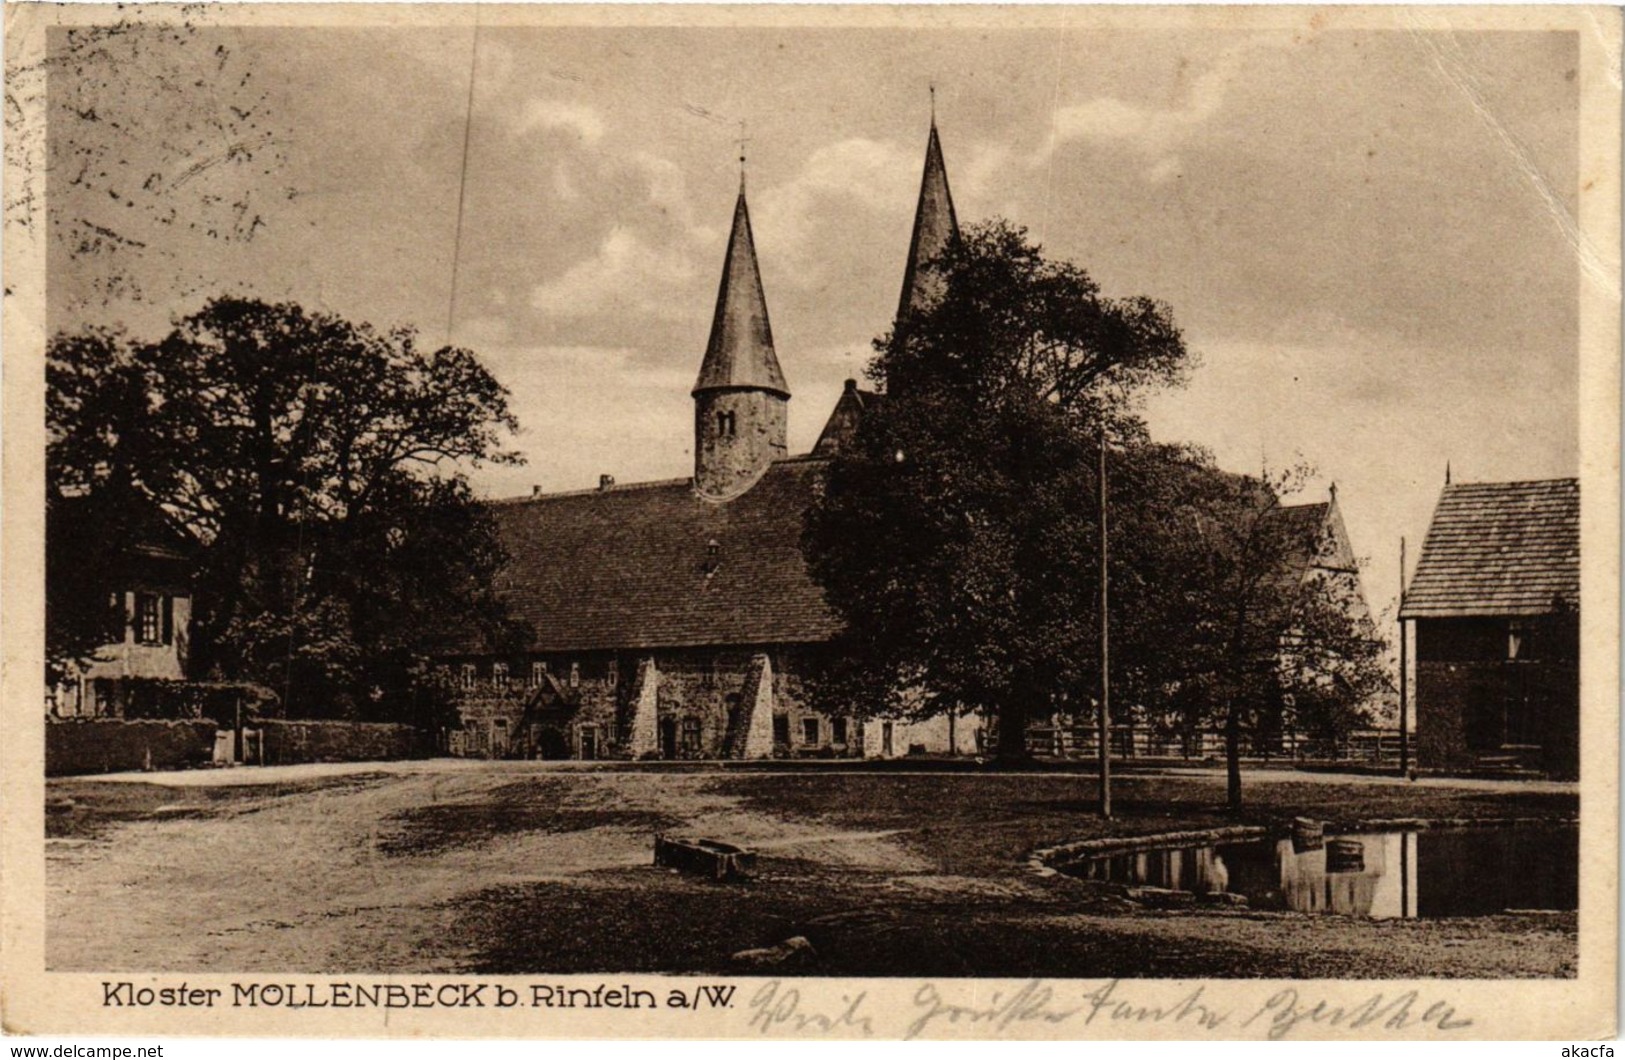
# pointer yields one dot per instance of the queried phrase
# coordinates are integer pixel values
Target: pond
(1382, 875)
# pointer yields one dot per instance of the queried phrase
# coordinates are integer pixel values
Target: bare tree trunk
(1232, 759)
(1012, 732)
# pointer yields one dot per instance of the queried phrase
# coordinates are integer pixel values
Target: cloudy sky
(1365, 235)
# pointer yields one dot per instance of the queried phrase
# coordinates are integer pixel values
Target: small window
(726, 425)
(691, 736)
(465, 675)
(837, 730)
(575, 675)
(809, 730)
(499, 674)
(148, 619)
(501, 723)
(613, 674)
(781, 728)
(538, 670)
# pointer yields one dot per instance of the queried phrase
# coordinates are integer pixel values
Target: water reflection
(1381, 875)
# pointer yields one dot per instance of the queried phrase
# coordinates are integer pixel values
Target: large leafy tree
(957, 535)
(1239, 624)
(322, 464)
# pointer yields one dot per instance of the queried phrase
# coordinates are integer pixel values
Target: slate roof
(140, 527)
(935, 226)
(1312, 538)
(740, 351)
(627, 567)
(1300, 525)
(1499, 548)
(842, 424)
(135, 543)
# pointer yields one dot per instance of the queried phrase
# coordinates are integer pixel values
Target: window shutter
(169, 619)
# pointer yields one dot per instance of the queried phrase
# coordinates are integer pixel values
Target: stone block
(796, 949)
(704, 857)
(1160, 897)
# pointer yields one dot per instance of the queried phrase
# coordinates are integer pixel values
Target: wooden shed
(1496, 606)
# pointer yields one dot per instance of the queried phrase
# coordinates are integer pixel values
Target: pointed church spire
(741, 402)
(740, 353)
(934, 227)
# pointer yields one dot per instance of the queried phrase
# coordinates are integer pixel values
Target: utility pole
(1105, 652)
(1404, 680)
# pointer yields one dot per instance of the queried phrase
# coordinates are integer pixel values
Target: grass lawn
(988, 825)
(524, 870)
(971, 906)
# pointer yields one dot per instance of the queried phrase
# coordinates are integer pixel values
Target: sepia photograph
(728, 503)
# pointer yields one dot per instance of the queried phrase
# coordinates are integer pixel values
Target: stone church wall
(737, 434)
(700, 704)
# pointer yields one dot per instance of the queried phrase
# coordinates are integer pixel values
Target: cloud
(633, 206)
(1164, 170)
(591, 410)
(1154, 131)
(559, 114)
(1366, 413)
(977, 171)
(626, 273)
(564, 186)
(668, 193)
(872, 174)
(629, 367)
(481, 332)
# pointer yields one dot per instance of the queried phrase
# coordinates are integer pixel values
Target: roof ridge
(627, 487)
(652, 566)
(1498, 548)
(1569, 480)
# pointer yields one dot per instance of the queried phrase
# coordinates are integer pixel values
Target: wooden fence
(1372, 747)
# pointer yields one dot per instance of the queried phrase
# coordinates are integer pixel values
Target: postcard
(811, 521)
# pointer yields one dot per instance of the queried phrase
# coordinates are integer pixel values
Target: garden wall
(340, 741)
(114, 746)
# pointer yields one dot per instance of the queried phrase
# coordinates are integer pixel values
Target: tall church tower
(935, 226)
(741, 401)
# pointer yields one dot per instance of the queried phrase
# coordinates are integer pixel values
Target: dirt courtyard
(459, 867)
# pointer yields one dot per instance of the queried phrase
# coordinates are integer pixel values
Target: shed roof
(632, 567)
(1500, 549)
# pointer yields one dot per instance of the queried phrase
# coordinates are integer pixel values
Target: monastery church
(678, 619)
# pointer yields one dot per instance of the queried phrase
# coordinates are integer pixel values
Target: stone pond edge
(1043, 860)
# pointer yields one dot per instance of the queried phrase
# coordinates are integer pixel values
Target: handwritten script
(777, 1008)
(1109, 1008)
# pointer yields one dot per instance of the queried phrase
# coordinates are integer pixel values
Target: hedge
(109, 745)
